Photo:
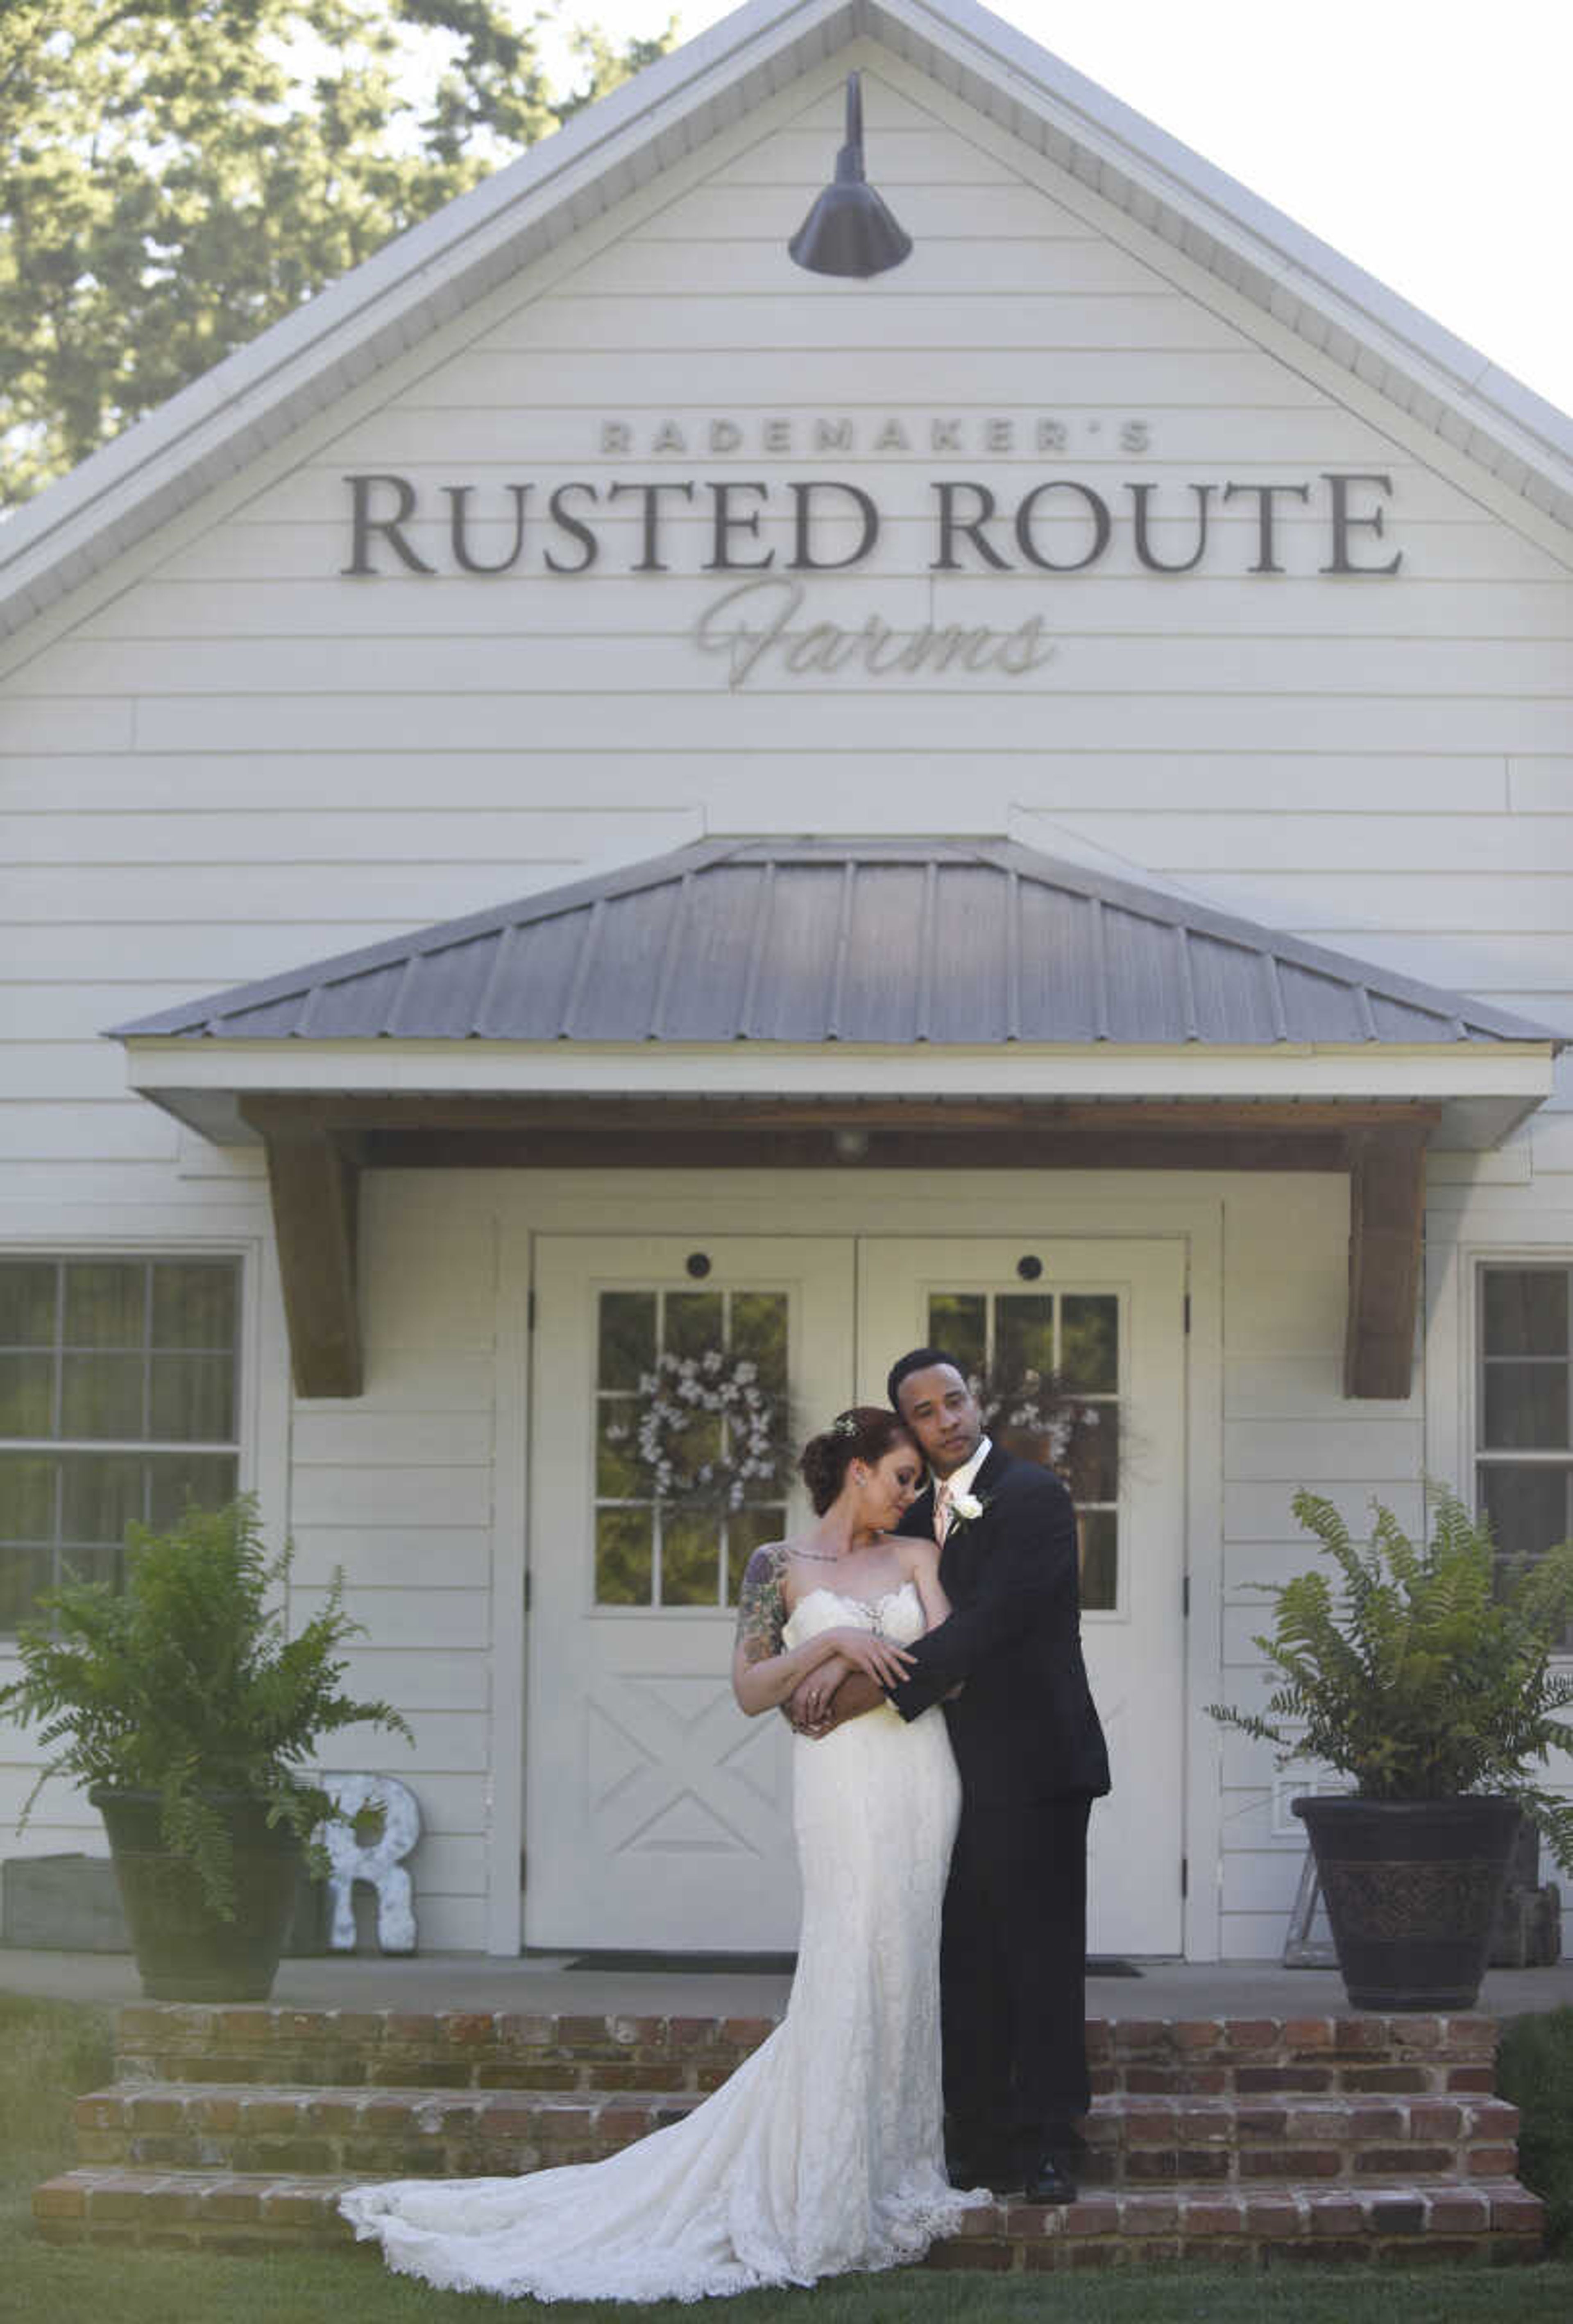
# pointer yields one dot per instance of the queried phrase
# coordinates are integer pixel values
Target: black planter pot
(184, 1952)
(1412, 1889)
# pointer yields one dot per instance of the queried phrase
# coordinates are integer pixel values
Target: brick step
(1132, 2141)
(467, 2049)
(1407, 2219)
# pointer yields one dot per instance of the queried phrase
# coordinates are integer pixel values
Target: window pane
(1024, 1332)
(1089, 1347)
(106, 1305)
(1525, 1311)
(1097, 1530)
(959, 1323)
(690, 1559)
(102, 1396)
(625, 1565)
(627, 1338)
(208, 1479)
(693, 1322)
(27, 1396)
(746, 1531)
(1528, 1507)
(759, 1331)
(24, 1575)
(27, 1303)
(27, 1497)
(1527, 1404)
(194, 1302)
(100, 1495)
(619, 1476)
(93, 1565)
(191, 1399)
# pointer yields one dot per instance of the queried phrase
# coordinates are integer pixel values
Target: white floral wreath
(677, 1392)
(1042, 1404)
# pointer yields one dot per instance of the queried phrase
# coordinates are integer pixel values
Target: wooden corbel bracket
(1387, 1190)
(314, 1181)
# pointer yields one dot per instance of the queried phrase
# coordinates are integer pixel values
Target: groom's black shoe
(1051, 2174)
(1049, 2180)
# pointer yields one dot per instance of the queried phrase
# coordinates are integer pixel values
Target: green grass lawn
(49, 2049)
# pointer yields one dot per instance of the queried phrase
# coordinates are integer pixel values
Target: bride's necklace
(826, 1556)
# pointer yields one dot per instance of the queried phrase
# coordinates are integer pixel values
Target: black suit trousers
(1013, 1975)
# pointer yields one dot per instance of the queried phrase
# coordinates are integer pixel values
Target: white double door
(657, 1816)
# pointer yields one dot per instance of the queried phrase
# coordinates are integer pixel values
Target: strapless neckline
(843, 1598)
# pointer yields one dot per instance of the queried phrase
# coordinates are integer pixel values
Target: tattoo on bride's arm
(761, 1606)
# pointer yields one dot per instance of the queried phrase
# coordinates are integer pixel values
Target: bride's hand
(887, 1665)
(810, 1709)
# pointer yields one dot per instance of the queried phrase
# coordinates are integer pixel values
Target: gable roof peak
(424, 277)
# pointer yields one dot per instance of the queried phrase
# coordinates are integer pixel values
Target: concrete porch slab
(479, 1981)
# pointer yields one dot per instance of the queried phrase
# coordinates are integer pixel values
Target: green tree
(175, 177)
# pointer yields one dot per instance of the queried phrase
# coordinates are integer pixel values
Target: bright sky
(1427, 140)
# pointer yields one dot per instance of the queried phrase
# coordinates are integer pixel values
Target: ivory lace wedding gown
(823, 2153)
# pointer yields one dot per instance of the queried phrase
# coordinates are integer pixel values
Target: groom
(1032, 1757)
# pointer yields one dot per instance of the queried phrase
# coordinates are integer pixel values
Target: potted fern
(1426, 1675)
(191, 1716)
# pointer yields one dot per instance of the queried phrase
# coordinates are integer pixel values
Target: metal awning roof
(783, 1002)
(875, 942)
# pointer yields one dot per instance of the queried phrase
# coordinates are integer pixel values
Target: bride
(823, 2152)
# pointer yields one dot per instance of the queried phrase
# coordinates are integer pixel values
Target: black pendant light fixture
(849, 230)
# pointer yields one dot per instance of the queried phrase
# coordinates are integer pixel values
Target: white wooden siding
(223, 758)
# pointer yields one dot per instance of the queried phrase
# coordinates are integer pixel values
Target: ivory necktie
(941, 1510)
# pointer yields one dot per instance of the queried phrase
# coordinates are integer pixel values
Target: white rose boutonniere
(966, 1509)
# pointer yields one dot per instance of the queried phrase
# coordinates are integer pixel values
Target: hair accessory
(844, 1424)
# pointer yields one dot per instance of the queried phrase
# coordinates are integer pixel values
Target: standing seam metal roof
(813, 940)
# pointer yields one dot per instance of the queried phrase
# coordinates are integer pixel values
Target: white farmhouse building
(596, 791)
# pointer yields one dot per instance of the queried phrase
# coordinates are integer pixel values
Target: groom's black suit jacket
(1023, 1726)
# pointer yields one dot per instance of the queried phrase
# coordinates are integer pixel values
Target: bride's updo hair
(864, 1433)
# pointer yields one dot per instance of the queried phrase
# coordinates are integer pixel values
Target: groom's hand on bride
(819, 1705)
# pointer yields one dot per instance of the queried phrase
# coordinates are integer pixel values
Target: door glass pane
(759, 1332)
(959, 1323)
(1024, 1334)
(690, 1559)
(1095, 1533)
(670, 1465)
(1089, 1354)
(627, 1343)
(749, 1529)
(694, 1321)
(625, 1556)
(618, 1475)
(1097, 1449)
(1049, 1369)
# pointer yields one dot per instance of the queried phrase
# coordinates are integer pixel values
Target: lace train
(823, 2153)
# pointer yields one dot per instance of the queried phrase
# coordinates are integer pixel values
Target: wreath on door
(706, 1433)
